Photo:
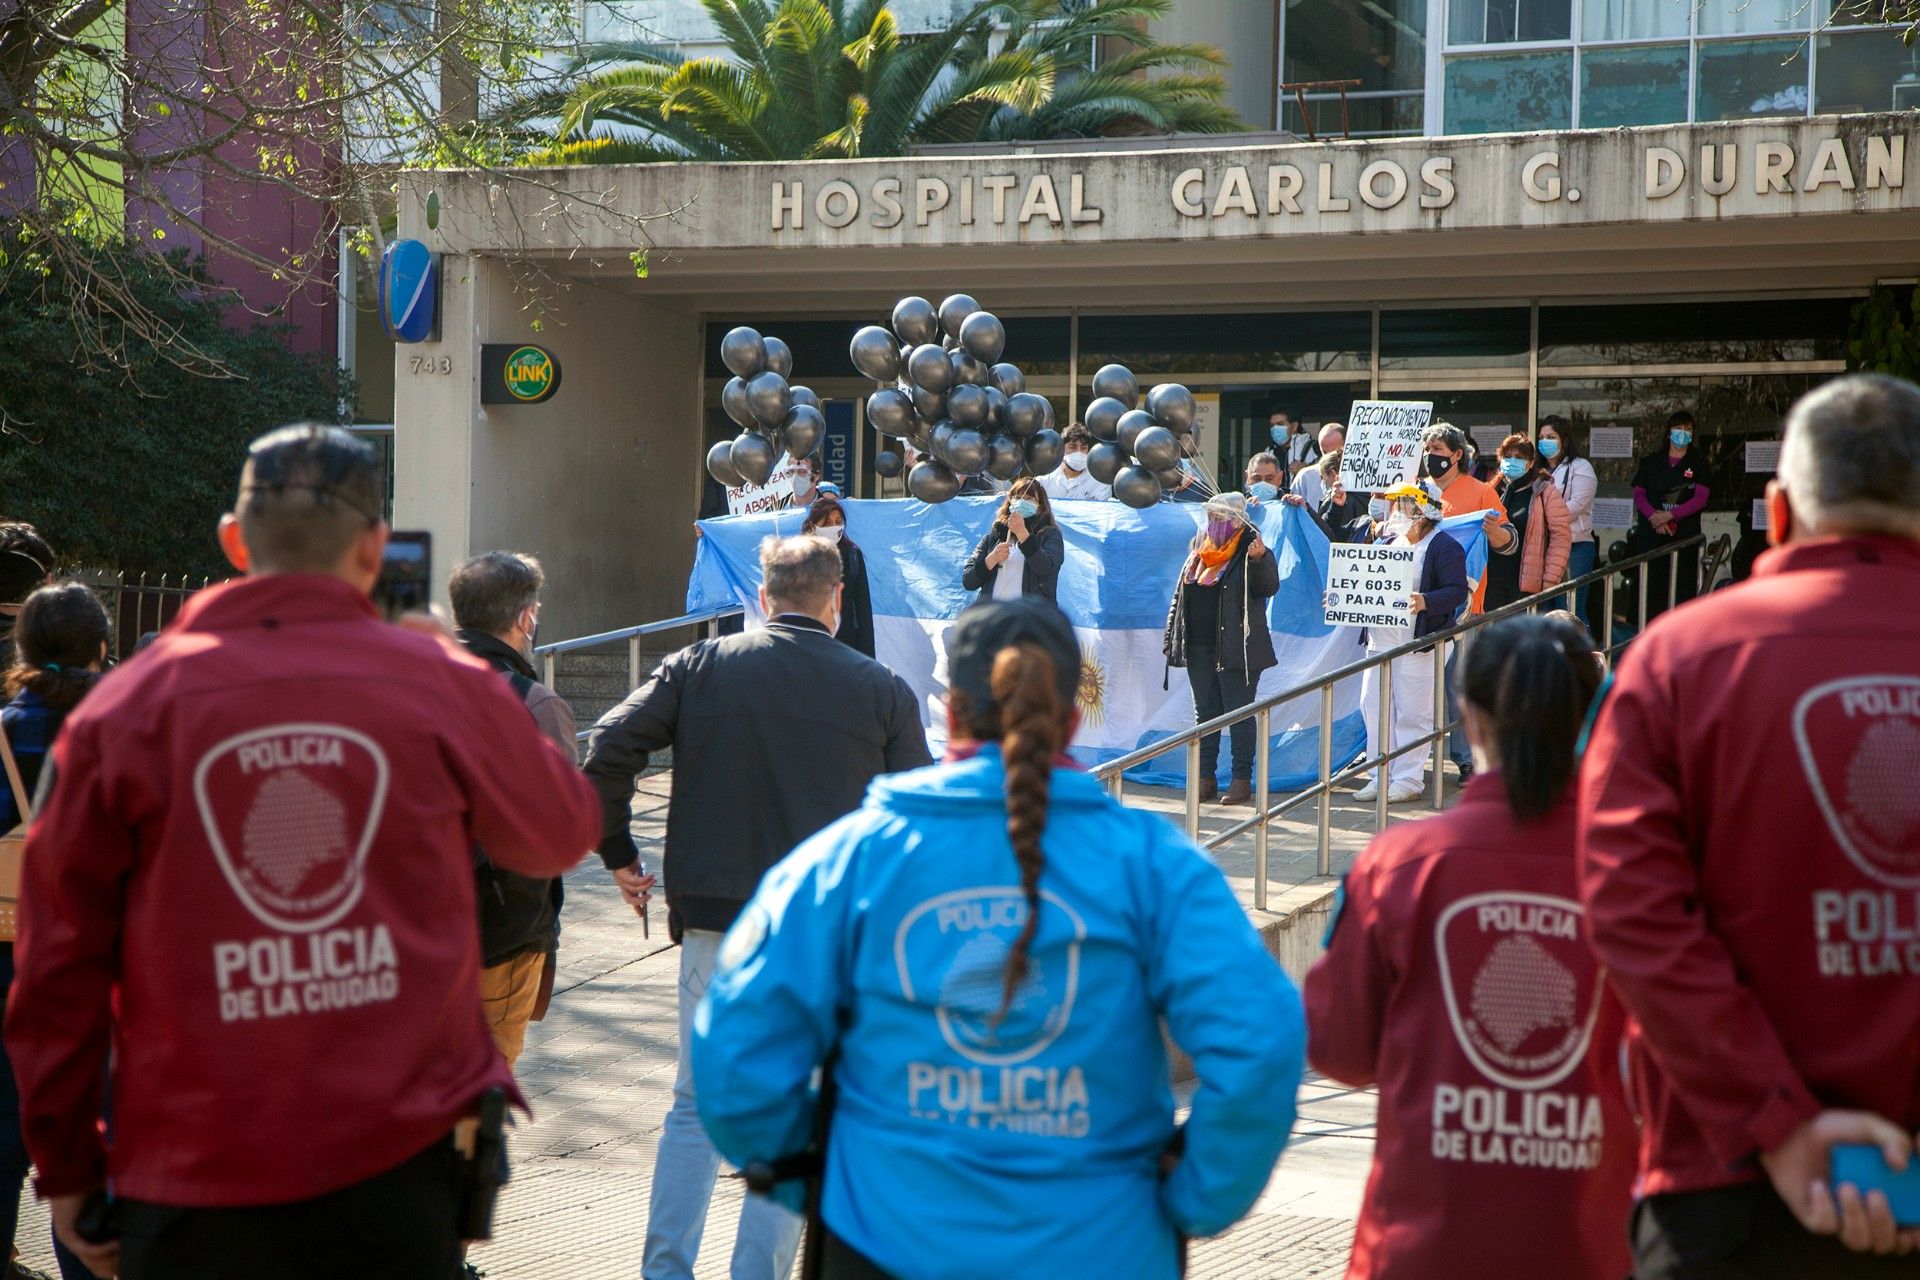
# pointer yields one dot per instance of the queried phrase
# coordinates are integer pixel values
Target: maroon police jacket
(1457, 978)
(258, 849)
(1750, 856)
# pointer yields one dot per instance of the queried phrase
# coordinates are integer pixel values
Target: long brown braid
(1033, 729)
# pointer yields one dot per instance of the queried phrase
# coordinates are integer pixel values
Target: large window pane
(1865, 71)
(1745, 79)
(1454, 338)
(1223, 343)
(1504, 21)
(1754, 17)
(1382, 45)
(1509, 93)
(1695, 332)
(1872, 13)
(1637, 84)
(1634, 19)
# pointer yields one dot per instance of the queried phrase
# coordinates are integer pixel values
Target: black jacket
(856, 602)
(519, 915)
(1044, 549)
(1243, 642)
(776, 732)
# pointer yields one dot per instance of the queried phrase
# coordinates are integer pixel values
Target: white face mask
(1377, 509)
(1398, 523)
(831, 532)
(1075, 461)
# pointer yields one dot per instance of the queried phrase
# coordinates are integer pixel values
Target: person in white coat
(1574, 476)
(1070, 479)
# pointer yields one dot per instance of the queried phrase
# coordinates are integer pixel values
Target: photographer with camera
(251, 884)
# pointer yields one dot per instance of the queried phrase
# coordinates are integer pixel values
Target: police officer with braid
(983, 956)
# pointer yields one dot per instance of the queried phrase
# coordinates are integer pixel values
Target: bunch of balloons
(945, 391)
(774, 415)
(1141, 439)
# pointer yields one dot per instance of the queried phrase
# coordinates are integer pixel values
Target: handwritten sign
(1369, 586)
(1383, 444)
(1763, 456)
(753, 499)
(1613, 513)
(1610, 442)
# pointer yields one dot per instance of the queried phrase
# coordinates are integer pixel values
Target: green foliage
(1884, 337)
(812, 79)
(126, 456)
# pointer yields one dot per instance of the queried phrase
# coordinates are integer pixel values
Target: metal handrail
(1113, 772)
(547, 653)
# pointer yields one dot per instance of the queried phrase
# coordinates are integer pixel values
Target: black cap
(987, 628)
(20, 573)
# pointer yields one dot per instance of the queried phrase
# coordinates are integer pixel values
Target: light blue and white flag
(1115, 588)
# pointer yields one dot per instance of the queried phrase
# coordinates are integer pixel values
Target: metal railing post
(1673, 577)
(1193, 788)
(546, 669)
(1326, 779)
(1262, 766)
(1640, 622)
(1606, 619)
(633, 663)
(1386, 746)
(1117, 784)
(1442, 717)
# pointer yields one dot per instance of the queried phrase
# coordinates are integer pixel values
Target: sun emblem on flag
(1091, 697)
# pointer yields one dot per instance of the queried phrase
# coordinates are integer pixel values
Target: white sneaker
(1405, 793)
(1368, 793)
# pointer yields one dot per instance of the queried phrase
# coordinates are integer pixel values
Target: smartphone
(1867, 1169)
(405, 584)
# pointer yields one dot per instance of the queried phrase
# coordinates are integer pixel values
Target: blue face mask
(1025, 508)
(1513, 468)
(1262, 491)
(1548, 447)
(1681, 438)
(1279, 434)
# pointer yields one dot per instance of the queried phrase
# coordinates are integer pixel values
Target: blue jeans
(1580, 561)
(686, 1166)
(1459, 750)
(14, 1165)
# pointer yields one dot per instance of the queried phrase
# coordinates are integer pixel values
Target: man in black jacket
(756, 771)
(496, 606)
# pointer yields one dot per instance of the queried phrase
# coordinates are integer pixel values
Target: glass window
(1635, 84)
(648, 21)
(1872, 13)
(1634, 19)
(1505, 21)
(1753, 17)
(1382, 45)
(1866, 71)
(1745, 79)
(1227, 343)
(1454, 338)
(1509, 93)
(1695, 332)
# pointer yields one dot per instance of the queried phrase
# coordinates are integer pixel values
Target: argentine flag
(1115, 587)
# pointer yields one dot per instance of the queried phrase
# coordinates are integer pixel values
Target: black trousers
(1685, 587)
(1216, 692)
(397, 1225)
(1743, 1233)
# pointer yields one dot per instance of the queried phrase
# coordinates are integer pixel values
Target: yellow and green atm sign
(517, 373)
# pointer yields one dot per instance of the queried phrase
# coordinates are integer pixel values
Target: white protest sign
(1610, 442)
(1369, 586)
(1383, 444)
(1763, 456)
(752, 499)
(1613, 513)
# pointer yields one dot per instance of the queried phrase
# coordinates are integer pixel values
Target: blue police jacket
(964, 1143)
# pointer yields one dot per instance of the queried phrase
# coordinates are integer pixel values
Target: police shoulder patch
(745, 939)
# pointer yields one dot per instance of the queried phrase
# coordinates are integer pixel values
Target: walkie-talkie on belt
(482, 1144)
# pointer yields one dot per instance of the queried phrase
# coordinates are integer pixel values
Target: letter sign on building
(517, 373)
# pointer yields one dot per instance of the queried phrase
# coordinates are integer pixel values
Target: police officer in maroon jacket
(250, 891)
(1750, 865)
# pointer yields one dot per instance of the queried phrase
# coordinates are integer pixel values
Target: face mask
(1076, 461)
(1219, 531)
(1681, 438)
(1438, 464)
(1377, 509)
(831, 532)
(1549, 447)
(1263, 491)
(1513, 468)
(1398, 523)
(1025, 508)
(1277, 434)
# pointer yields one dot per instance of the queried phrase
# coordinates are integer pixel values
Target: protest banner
(1369, 586)
(753, 499)
(1383, 444)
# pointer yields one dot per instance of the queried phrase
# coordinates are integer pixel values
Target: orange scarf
(1210, 559)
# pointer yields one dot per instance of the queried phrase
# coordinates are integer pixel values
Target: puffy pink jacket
(1549, 540)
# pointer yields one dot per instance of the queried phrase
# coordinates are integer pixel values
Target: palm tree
(814, 79)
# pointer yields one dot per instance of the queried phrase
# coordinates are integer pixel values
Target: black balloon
(954, 311)
(1190, 444)
(733, 398)
(1117, 380)
(915, 321)
(932, 481)
(966, 451)
(1008, 378)
(983, 336)
(887, 464)
(802, 429)
(768, 398)
(1043, 451)
(1170, 478)
(1005, 457)
(1138, 487)
(744, 351)
(938, 435)
(890, 410)
(931, 405)
(1172, 404)
(1026, 414)
(720, 465)
(779, 357)
(1049, 404)
(875, 354)
(804, 395)
(1103, 418)
(752, 457)
(966, 369)
(967, 405)
(996, 409)
(1157, 448)
(1105, 460)
(1132, 423)
(929, 369)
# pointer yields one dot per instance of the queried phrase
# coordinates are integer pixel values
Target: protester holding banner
(1217, 630)
(828, 519)
(1022, 553)
(1669, 493)
(1539, 515)
(1445, 463)
(1458, 980)
(1440, 574)
(1307, 481)
(1577, 482)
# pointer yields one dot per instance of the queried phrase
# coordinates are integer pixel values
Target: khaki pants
(509, 993)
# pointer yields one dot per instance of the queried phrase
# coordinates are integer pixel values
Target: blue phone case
(1866, 1168)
